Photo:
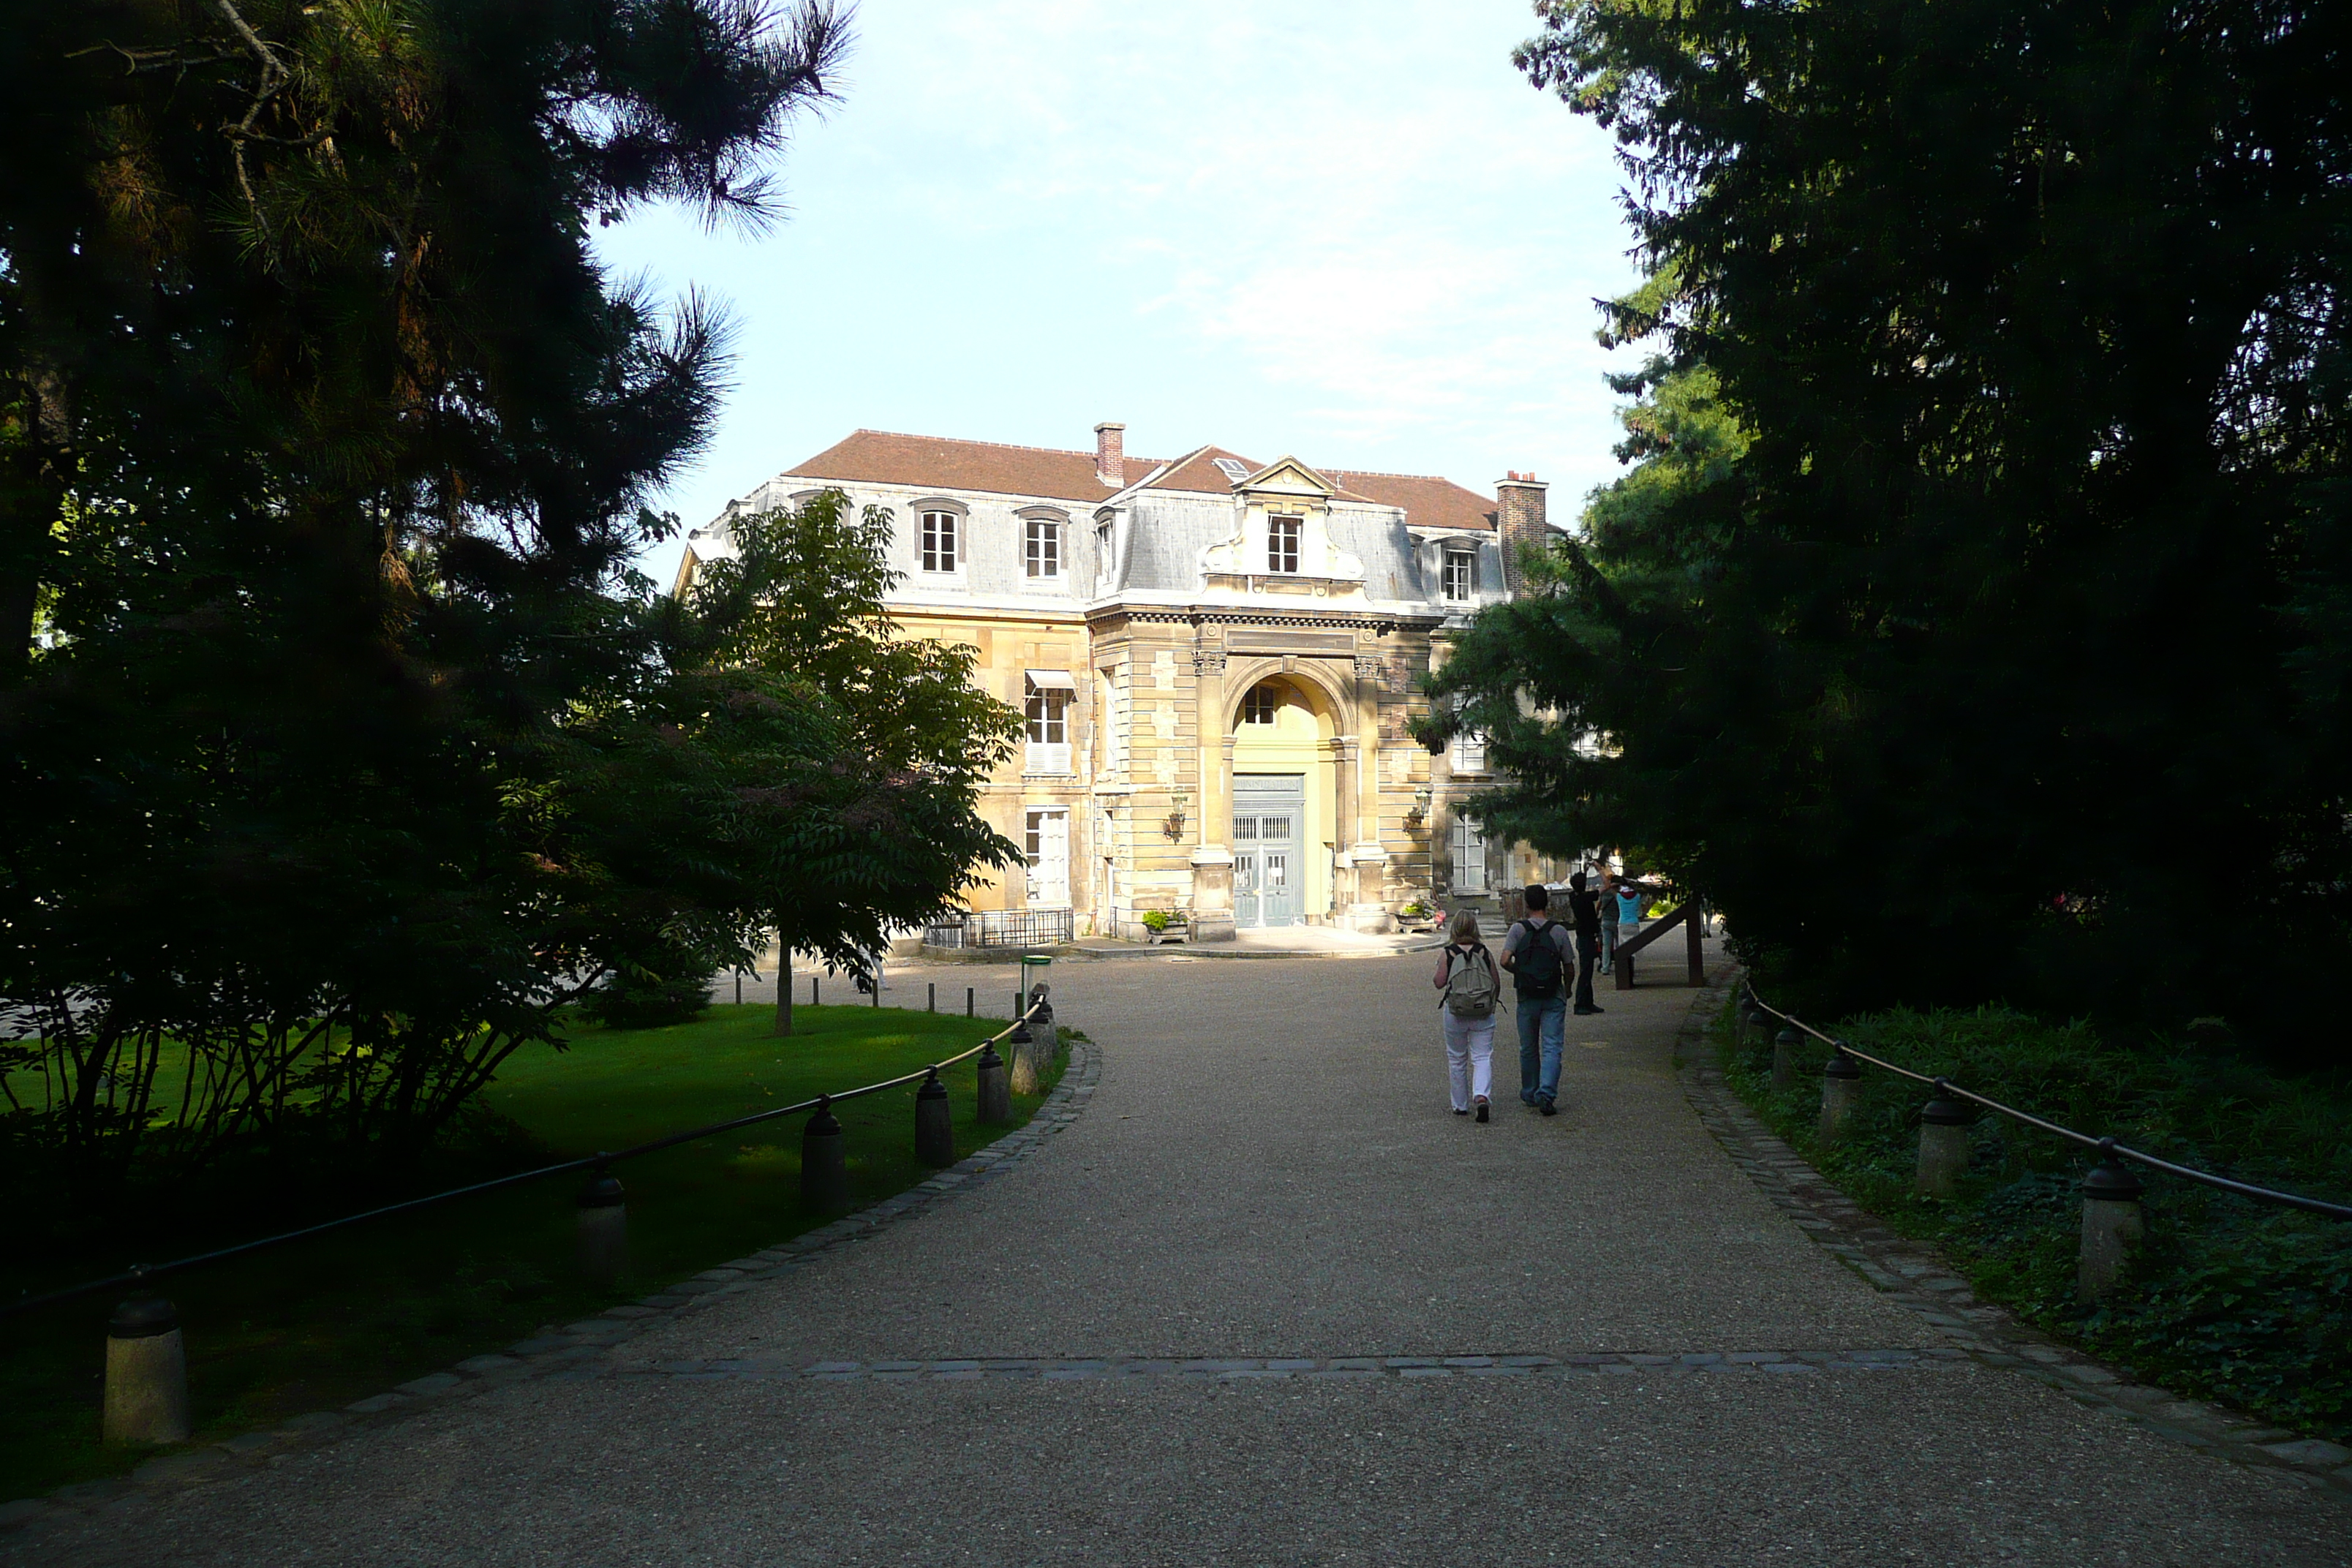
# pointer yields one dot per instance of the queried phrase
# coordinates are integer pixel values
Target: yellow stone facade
(1218, 660)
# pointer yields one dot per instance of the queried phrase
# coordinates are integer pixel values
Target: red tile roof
(881, 457)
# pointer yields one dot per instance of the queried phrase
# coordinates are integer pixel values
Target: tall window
(1282, 543)
(1041, 548)
(939, 541)
(1105, 564)
(1048, 694)
(1260, 703)
(1461, 572)
(1469, 755)
(1469, 855)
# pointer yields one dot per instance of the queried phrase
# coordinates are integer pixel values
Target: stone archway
(1283, 812)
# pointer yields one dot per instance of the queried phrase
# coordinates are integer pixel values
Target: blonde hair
(1462, 928)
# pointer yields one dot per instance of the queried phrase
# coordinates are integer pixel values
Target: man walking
(1537, 953)
(1584, 915)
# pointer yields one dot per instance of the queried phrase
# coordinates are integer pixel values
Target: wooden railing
(1686, 916)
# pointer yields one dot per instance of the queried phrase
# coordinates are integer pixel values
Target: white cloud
(1345, 229)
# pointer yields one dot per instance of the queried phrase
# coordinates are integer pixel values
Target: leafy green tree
(2013, 665)
(324, 444)
(798, 615)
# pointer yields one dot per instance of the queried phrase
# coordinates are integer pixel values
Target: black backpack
(1537, 970)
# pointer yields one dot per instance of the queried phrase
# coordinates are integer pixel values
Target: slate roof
(883, 456)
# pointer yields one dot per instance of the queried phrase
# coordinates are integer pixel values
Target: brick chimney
(1110, 454)
(1519, 516)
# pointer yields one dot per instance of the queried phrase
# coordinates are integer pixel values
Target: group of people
(1545, 959)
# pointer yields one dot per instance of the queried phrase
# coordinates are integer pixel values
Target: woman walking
(1469, 984)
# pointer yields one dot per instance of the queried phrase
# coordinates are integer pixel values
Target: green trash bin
(1033, 975)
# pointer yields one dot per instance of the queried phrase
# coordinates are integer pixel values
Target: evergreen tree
(324, 445)
(2016, 668)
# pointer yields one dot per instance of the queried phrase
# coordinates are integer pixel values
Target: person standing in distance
(1540, 955)
(1585, 917)
(1631, 900)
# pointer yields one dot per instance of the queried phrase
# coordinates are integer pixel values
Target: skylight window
(1233, 468)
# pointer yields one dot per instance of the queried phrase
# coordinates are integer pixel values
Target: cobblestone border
(589, 1341)
(1236, 1369)
(1915, 1276)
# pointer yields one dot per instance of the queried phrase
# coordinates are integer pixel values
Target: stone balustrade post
(2112, 1226)
(1944, 1128)
(146, 1375)
(1841, 1094)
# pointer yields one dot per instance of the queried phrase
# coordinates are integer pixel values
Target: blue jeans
(1542, 1021)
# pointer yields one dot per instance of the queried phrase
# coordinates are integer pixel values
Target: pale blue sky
(1346, 231)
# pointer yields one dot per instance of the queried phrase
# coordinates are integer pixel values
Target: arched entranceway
(1283, 825)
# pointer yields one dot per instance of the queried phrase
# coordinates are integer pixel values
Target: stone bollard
(1025, 1061)
(1749, 1019)
(1784, 1057)
(1944, 1127)
(603, 1229)
(2112, 1225)
(995, 1091)
(146, 1374)
(1841, 1094)
(934, 1125)
(824, 1168)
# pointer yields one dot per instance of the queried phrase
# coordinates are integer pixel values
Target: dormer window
(1041, 548)
(940, 540)
(1106, 564)
(1461, 575)
(1282, 543)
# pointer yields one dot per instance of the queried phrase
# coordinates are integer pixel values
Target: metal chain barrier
(2112, 1219)
(146, 1392)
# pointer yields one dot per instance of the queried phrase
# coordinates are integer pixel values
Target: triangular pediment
(1287, 476)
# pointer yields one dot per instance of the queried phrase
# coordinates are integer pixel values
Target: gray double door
(1269, 832)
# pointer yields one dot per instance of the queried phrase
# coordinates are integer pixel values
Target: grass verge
(2227, 1298)
(317, 1324)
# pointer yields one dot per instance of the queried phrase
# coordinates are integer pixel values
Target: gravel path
(1411, 1338)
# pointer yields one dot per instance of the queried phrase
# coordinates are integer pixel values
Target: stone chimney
(1520, 519)
(1110, 454)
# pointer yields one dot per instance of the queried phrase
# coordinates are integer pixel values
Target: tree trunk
(783, 988)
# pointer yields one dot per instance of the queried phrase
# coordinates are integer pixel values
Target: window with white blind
(1469, 856)
(1282, 543)
(939, 530)
(1041, 547)
(1048, 694)
(1461, 575)
(1469, 753)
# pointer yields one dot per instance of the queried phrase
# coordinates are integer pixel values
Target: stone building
(1217, 658)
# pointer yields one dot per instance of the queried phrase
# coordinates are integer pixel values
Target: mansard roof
(882, 456)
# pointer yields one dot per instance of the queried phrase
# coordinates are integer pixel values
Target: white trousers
(1469, 1054)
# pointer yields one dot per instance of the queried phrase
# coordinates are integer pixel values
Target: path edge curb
(1915, 1276)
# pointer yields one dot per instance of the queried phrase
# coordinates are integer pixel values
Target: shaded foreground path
(1268, 1172)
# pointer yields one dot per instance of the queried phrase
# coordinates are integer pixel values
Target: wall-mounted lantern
(1420, 812)
(1172, 824)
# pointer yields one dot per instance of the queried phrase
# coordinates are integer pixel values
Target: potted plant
(1160, 923)
(1420, 915)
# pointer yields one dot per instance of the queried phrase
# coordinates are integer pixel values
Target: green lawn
(316, 1324)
